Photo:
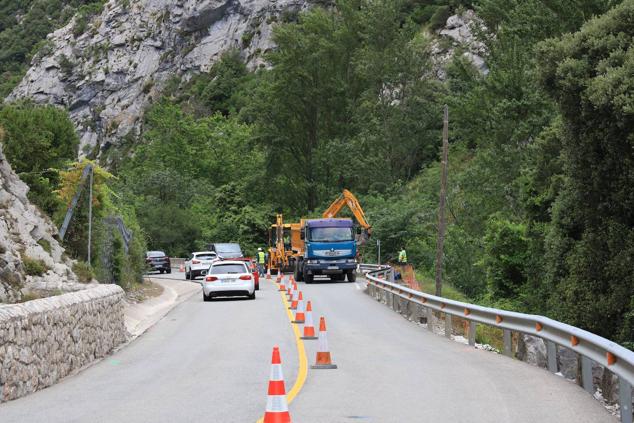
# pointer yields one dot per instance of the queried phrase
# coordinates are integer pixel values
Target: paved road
(209, 362)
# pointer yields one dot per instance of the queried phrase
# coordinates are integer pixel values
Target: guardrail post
(448, 326)
(472, 333)
(625, 400)
(551, 350)
(586, 374)
(508, 344)
(430, 319)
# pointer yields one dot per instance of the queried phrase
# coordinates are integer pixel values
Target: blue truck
(327, 247)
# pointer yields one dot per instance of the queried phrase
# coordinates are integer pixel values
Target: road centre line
(301, 353)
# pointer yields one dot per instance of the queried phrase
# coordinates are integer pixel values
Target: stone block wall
(41, 341)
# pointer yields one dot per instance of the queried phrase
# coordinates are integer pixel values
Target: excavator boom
(348, 198)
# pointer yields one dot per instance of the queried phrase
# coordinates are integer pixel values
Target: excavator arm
(348, 198)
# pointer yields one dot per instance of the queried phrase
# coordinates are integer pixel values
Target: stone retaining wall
(41, 341)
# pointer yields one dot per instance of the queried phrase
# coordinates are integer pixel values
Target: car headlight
(351, 261)
(312, 261)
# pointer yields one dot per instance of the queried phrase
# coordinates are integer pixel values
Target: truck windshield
(331, 234)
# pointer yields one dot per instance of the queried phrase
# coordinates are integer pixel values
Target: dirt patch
(144, 291)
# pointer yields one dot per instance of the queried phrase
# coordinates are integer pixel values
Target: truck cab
(329, 249)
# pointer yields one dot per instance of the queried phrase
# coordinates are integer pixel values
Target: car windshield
(221, 269)
(331, 234)
(228, 248)
(205, 256)
(155, 254)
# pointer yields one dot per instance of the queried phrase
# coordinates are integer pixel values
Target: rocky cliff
(108, 74)
(31, 260)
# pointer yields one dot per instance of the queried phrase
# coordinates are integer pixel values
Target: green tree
(591, 242)
(39, 140)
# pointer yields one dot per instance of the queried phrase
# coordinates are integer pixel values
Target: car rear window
(227, 268)
(155, 254)
(205, 256)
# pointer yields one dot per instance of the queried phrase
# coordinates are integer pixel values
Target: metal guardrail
(591, 347)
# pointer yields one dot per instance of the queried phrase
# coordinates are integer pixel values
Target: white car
(228, 278)
(198, 263)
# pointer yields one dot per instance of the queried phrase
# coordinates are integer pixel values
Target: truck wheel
(352, 276)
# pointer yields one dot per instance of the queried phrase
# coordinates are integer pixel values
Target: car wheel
(169, 270)
(252, 296)
(352, 276)
(206, 298)
(161, 271)
(309, 278)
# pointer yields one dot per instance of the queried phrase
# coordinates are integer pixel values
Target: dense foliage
(38, 141)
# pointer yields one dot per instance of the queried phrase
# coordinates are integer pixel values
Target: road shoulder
(139, 317)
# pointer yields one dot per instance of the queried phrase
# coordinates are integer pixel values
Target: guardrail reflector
(538, 326)
(611, 358)
(467, 312)
(498, 319)
(574, 341)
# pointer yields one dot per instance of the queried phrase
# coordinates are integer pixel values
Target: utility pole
(441, 207)
(90, 214)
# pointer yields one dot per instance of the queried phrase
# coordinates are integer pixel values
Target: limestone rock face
(107, 75)
(26, 232)
(460, 36)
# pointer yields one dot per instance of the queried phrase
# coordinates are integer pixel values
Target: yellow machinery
(280, 246)
(348, 198)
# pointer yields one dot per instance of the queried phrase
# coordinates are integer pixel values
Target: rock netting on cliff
(41, 341)
(27, 234)
(107, 75)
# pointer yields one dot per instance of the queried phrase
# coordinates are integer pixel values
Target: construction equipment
(280, 246)
(348, 199)
(326, 246)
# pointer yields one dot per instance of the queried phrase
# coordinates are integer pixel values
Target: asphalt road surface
(210, 362)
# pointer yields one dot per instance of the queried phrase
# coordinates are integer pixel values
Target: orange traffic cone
(181, 268)
(309, 329)
(289, 291)
(299, 311)
(292, 279)
(323, 360)
(276, 405)
(282, 285)
(268, 274)
(296, 296)
(279, 277)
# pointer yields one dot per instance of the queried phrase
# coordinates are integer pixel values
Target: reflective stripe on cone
(276, 405)
(295, 299)
(323, 360)
(309, 328)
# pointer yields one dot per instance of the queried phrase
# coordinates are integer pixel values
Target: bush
(83, 271)
(45, 244)
(439, 18)
(34, 267)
